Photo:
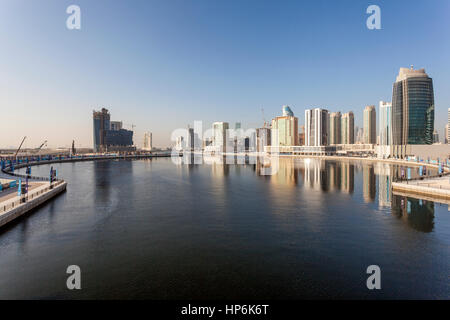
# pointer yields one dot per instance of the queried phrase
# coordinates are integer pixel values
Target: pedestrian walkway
(12, 192)
(437, 187)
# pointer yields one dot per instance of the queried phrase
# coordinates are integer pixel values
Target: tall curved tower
(412, 108)
(287, 112)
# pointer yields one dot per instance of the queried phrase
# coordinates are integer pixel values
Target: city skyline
(160, 76)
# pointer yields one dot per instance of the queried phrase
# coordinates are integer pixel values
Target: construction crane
(40, 147)
(20, 146)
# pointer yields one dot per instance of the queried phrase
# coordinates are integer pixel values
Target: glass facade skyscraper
(412, 108)
(287, 112)
(109, 135)
(101, 123)
(385, 123)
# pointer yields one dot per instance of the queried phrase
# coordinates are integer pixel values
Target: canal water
(153, 229)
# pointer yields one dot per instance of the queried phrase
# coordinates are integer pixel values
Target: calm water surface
(153, 229)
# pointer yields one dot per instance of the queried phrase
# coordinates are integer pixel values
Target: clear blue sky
(163, 64)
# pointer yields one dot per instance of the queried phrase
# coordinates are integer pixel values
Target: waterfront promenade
(433, 188)
(13, 206)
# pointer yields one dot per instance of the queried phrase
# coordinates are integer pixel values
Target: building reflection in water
(320, 175)
(287, 173)
(417, 213)
(106, 195)
(316, 174)
(102, 181)
(335, 172)
(347, 177)
(328, 176)
(385, 173)
(369, 188)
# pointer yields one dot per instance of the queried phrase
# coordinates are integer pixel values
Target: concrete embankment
(15, 207)
(434, 188)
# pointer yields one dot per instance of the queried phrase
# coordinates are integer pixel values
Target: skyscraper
(108, 139)
(101, 123)
(385, 126)
(370, 121)
(285, 129)
(262, 139)
(147, 141)
(287, 112)
(348, 128)
(359, 135)
(412, 108)
(335, 128)
(220, 132)
(369, 180)
(316, 127)
(190, 139)
(301, 136)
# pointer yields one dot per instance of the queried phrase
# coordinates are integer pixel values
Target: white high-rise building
(385, 123)
(262, 138)
(316, 127)
(147, 141)
(370, 130)
(220, 132)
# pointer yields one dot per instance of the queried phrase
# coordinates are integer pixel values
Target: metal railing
(445, 172)
(9, 205)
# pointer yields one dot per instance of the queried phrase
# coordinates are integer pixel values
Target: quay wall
(15, 208)
(432, 192)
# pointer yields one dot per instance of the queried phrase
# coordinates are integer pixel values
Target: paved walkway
(436, 188)
(12, 192)
(438, 183)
